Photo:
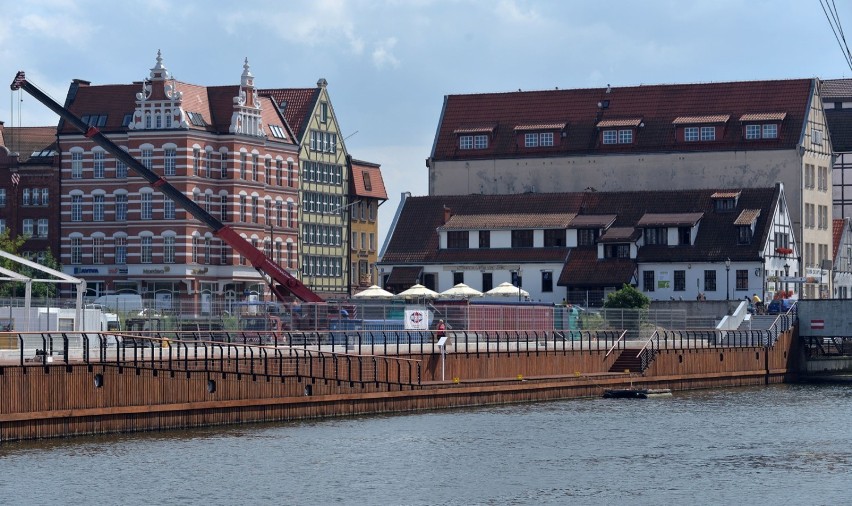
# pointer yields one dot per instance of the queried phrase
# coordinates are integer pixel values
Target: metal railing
(179, 354)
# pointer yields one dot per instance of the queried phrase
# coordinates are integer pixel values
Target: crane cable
(833, 18)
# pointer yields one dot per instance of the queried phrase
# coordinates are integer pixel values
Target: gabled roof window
(277, 131)
(196, 118)
(724, 202)
(96, 120)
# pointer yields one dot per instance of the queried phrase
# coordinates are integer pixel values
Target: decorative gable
(246, 118)
(159, 104)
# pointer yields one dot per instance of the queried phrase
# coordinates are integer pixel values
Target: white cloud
(383, 53)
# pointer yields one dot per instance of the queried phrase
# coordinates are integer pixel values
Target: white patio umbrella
(417, 291)
(507, 290)
(460, 291)
(373, 292)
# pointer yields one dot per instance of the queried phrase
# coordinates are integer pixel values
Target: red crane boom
(279, 280)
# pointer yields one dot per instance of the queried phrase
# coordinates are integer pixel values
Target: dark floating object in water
(637, 393)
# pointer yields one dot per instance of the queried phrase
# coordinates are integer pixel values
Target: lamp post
(727, 279)
(786, 280)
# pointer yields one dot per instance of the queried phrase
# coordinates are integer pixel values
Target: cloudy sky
(390, 63)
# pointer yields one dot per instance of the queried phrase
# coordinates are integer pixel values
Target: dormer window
(700, 128)
(743, 235)
(457, 239)
(587, 236)
(745, 223)
(474, 137)
(725, 202)
(656, 235)
(554, 238)
(617, 251)
(762, 125)
(618, 131)
(539, 135)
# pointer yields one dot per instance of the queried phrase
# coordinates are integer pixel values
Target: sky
(389, 64)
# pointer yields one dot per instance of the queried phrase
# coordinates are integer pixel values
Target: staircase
(627, 360)
(758, 322)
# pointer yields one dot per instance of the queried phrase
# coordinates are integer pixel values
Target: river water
(786, 444)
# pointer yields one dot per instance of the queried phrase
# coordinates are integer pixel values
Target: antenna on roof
(608, 88)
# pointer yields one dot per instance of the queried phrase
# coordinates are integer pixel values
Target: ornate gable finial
(247, 78)
(159, 72)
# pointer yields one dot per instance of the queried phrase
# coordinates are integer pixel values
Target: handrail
(623, 333)
(655, 334)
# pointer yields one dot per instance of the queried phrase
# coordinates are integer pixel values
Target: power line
(830, 11)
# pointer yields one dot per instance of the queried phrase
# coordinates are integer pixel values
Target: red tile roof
(657, 105)
(831, 89)
(406, 276)
(506, 221)
(592, 220)
(693, 120)
(475, 129)
(837, 235)
(620, 234)
(584, 269)
(297, 104)
(540, 126)
(766, 116)
(629, 122)
(747, 217)
(669, 220)
(28, 140)
(414, 241)
(362, 172)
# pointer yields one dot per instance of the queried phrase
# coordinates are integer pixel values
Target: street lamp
(786, 278)
(727, 279)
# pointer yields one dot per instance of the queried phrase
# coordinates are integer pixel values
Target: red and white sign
(817, 324)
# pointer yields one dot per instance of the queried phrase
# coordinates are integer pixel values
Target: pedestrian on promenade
(441, 330)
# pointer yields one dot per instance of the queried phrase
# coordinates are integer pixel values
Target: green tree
(15, 289)
(627, 298)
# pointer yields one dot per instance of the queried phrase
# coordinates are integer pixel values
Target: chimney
(447, 214)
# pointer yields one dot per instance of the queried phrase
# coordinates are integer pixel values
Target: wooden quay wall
(66, 399)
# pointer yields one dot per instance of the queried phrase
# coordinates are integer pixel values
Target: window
(45, 196)
(224, 254)
(76, 165)
(242, 208)
(195, 245)
(657, 235)
(724, 205)
(196, 162)
(267, 165)
(617, 251)
(42, 227)
(546, 139)
(291, 180)
(98, 157)
(255, 162)
(708, 133)
(648, 281)
(466, 142)
(822, 216)
(810, 176)
(816, 138)
(255, 204)
(36, 197)
(744, 234)
(752, 132)
(98, 208)
(148, 158)
(223, 165)
(547, 281)
(484, 239)
(121, 207)
(28, 227)
(120, 169)
(690, 134)
(742, 279)
(480, 142)
(587, 236)
(76, 208)
(208, 165)
(684, 236)
(168, 209)
(97, 250)
(522, 238)
(324, 112)
(2, 197)
(530, 140)
(822, 179)
(770, 131)
(487, 281)
(554, 238)
(709, 281)
(25, 197)
(457, 239)
(372, 241)
(625, 136)
(243, 161)
(782, 240)
(120, 250)
(679, 281)
(145, 207)
(147, 249)
(169, 249)
(76, 250)
(809, 216)
(458, 277)
(291, 215)
(223, 208)
(169, 162)
(2, 225)
(517, 279)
